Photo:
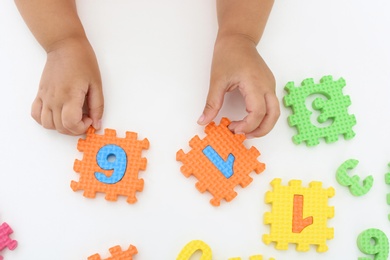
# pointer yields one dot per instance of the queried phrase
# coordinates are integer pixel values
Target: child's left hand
(237, 64)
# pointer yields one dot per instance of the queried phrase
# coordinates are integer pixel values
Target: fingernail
(98, 125)
(201, 118)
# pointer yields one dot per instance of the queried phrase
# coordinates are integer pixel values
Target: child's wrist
(225, 35)
(226, 41)
(66, 42)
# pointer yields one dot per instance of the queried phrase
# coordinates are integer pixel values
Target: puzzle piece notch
(210, 179)
(88, 166)
(117, 254)
(280, 217)
(335, 108)
(5, 240)
(353, 182)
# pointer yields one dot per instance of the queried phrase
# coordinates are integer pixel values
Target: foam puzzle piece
(99, 174)
(253, 257)
(334, 108)
(387, 181)
(373, 242)
(198, 245)
(190, 248)
(353, 182)
(226, 145)
(5, 240)
(118, 254)
(299, 223)
(282, 213)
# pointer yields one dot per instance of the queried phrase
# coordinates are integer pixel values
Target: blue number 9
(118, 165)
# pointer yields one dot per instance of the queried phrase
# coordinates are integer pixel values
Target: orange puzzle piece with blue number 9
(220, 162)
(110, 165)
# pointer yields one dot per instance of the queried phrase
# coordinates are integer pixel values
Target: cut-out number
(373, 242)
(192, 247)
(353, 183)
(118, 165)
(299, 223)
(225, 167)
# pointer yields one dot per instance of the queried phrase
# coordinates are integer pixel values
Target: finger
(256, 108)
(270, 119)
(47, 118)
(36, 110)
(213, 103)
(73, 119)
(95, 105)
(57, 119)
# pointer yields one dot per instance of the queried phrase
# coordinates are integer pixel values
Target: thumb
(213, 104)
(96, 105)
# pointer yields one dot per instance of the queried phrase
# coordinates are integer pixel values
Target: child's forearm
(243, 17)
(51, 21)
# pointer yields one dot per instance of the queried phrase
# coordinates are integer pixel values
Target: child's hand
(70, 82)
(237, 64)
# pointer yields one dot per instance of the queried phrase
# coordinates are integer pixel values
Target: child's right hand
(70, 96)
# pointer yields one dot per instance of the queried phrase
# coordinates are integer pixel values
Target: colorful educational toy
(193, 246)
(373, 242)
(5, 240)
(334, 108)
(353, 182)
(299, 215)
(117, 254)
(189, 250)
(110, 165)
(387, 181)
(220, 162)
(254, 257)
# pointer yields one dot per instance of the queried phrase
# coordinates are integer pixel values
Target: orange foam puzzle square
(110, 165)
(220, 162)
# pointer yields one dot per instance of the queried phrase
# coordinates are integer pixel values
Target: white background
(154, 58)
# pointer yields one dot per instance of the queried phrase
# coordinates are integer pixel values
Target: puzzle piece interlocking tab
(5, 240)
(118, 254)
(299, 215)
(113, 177)
(334, 108)
(220, 162)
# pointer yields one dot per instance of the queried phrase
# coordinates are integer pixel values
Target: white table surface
(154, 58)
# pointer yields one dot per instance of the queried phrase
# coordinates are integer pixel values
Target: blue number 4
(225, 167)
(118, 165)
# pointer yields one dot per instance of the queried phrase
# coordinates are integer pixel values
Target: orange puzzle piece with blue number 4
(220, 162)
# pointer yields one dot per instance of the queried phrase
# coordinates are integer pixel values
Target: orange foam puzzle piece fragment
(220, 162)
(118, 254)
(98, 173)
